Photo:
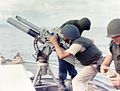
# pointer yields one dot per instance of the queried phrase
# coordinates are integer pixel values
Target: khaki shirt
(73, 49)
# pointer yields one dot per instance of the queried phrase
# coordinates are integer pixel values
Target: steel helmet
(70, 31)
(84, 23)
(113, 28)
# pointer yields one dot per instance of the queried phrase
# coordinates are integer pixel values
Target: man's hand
(116, 81)
(53, 40)
(104, 69)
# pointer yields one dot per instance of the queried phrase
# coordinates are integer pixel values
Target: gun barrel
(22, 27)
(19, 18)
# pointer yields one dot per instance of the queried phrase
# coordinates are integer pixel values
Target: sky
(53, 13)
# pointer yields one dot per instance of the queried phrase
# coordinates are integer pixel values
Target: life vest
(115, 50)
(91, 55)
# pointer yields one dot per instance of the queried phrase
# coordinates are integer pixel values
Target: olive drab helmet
(84, 23)
(70, 31)
(113, 28)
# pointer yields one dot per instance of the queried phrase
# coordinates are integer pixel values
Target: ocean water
(13, 40)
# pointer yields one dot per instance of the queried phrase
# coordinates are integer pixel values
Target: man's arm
(105, 67)
(60, 52)
(106, 63)
(74, 22)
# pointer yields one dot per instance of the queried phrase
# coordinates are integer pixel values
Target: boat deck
(48, 83)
